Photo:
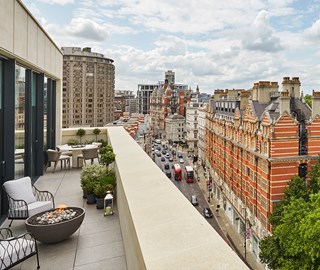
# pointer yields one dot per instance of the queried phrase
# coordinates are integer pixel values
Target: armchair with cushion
(14, 250)
(25, 199)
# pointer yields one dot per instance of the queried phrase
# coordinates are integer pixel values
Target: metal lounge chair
(14, 250)
(25, 199)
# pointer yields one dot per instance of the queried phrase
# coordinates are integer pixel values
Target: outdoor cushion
(20, 189)
(14, 250)
(39, 206)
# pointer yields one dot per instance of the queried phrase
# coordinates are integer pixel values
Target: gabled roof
(258, 108)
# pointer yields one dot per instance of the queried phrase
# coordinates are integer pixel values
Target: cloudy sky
(211, 43)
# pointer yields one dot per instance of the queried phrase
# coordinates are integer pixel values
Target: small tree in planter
(96, 132)
(81, 132)
(107, 155)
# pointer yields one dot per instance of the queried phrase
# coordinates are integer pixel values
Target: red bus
(189, 174)
(177, 172)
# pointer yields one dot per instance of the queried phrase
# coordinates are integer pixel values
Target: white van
(194, 200)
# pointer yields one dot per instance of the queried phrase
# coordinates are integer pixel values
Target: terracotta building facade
(256, 141)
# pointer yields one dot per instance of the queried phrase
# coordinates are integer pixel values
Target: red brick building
(256, 141)
(164, 101)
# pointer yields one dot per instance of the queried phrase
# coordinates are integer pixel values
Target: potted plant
(81, 132)
(107, 156)
(96, 132)
(89, 176)
(88, 188)
(100, 193)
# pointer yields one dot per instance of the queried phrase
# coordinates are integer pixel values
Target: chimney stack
(315, 103)
(284, 102)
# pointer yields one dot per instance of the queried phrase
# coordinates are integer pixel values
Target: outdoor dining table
(76, 150)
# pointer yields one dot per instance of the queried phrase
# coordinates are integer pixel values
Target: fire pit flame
(58, 215)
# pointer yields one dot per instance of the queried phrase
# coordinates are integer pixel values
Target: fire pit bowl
(55, 231)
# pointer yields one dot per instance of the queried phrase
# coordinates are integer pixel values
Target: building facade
(256, 141)
(202, 133)
(123, 103)
(88, 88)
(143, 95)
(30, 91)
(175, 127)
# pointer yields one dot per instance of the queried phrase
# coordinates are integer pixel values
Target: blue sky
(211, 43)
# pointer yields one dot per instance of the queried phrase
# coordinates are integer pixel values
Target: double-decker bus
(189, 174)
(177, 172)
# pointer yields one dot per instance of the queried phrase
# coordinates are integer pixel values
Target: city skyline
(214, 45)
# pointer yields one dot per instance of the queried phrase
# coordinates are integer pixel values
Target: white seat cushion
(39, 206)
(14, 250)
(20, 189)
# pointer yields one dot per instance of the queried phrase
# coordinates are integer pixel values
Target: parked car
(180, 155)
(166, 166)
(194, 200)
(170, 159)
(181, 160)
(207, 212)
(168, 174)
(163, 159)
(167, 155)
(158, 154)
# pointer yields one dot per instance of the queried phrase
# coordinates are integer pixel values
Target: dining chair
(90, 153)
(56, 156)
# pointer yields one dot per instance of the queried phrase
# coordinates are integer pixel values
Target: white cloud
(260, 36)
(313, 33)
(216, 44)
(58, 2)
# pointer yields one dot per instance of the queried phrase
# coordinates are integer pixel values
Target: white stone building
(175, 127)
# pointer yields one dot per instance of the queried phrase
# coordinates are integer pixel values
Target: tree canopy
(295, 242)
(307, 99)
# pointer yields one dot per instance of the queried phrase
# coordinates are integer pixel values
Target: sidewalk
(225, 224)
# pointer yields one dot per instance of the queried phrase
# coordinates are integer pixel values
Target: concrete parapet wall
(160, 227)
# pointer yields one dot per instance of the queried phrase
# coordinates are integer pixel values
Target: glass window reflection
(20, 121)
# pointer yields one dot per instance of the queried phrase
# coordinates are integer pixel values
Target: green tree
(295, 242)
(96, 132)
(307, 99)
(297, 188)
(81, 132)
(107, 155)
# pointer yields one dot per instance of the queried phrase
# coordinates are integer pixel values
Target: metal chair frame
(15, 250)
(18, 209)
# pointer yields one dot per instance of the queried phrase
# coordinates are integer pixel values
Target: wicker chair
(56, 156)
(15, 250)
(90, 153)
(25, 199)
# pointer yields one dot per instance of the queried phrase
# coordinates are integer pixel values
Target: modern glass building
(30, 93)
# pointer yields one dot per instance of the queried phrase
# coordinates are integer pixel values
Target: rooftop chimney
(284, 102)
(315, 103)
